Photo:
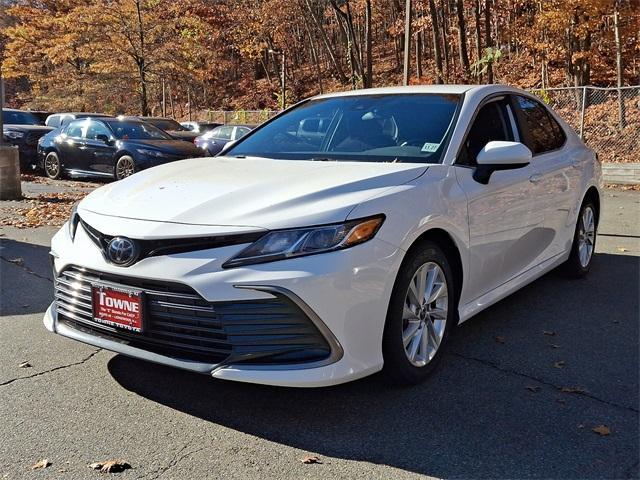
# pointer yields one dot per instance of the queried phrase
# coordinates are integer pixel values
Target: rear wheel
(421, 314)
(52, 166)
(584, 242)
(125, 167)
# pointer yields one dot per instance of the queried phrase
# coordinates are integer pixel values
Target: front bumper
(344, 293)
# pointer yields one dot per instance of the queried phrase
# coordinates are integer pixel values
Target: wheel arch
(446, 242)
(593, 195)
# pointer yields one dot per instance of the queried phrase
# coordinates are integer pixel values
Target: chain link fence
(608, 119)
(247, 117)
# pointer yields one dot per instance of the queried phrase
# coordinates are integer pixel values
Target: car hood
(177, 147)
(248, 192)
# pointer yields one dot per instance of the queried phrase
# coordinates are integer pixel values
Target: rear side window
(53, 121)
(540, 131)
(75, 129)
(491, 124)
(223, 133)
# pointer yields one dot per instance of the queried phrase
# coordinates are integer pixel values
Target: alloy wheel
(424, 317)
(52, 166)
(124, 168)
(586, 236)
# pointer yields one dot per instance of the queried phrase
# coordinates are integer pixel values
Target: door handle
(535, 178)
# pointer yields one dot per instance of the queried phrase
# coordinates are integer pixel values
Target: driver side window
(491, 123)
(95, 129)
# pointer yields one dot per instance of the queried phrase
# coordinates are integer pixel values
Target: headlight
(72, 224)
(151, 153)
(282, 244)
(13, 134)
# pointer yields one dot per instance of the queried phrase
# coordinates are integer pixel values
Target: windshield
(125, 130)
(19, 118)
(166, 124)
(369, 128)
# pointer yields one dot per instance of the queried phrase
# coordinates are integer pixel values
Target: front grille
(32, 137)
(151, 248)
(181, 324)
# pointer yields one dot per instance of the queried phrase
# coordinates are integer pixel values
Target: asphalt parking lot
(496, 408)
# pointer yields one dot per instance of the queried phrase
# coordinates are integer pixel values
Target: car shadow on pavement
(26, 278)
(494, 410)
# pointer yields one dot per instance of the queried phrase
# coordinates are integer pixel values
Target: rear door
(71, 148)
(504, 225)
(99, 155)
(219, 138)
(557, 171)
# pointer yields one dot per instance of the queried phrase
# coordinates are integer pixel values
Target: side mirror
(500, 155)
(103, 138)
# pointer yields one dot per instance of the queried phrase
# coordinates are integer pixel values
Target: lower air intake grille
(181, 324)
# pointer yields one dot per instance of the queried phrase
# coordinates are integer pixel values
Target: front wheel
(420, 316)
(584, 242)
(125, 167)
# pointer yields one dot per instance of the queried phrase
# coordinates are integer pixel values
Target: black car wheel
(421, 315)
(52, 166)
(124, 167)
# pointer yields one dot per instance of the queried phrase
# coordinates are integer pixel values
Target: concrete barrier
(10, 188)
(621, 173)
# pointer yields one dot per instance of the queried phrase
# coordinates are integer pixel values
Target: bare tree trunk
(314, 55)
(436, 40)
(141, 62)
(619, 67)
(487, 35)
(419, 55)
(462, 38)
(476, 13)
(368, 83)
(327, 45)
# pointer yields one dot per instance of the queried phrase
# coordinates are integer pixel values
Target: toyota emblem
(122, 251)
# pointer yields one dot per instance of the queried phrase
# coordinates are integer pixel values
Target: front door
(504, 224)
(99, 155)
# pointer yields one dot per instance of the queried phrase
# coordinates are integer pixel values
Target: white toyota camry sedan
(348, 235)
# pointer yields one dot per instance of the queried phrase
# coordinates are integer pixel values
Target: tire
(52, 166)
(584, 242)
(432, 320)
(125, 166)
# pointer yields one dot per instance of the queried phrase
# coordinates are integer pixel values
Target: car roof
(441, 89)
(85, 114)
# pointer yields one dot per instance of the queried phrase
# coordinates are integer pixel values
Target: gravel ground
(494, 410)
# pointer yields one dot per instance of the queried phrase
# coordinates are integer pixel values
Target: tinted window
(95, 129)
(166, 124)
(370, 128)
(491, 123)
(75, 129)
(19, 118)
(53, 121)
(241, 132)
(541, 133)
(223, 133)
(128, 130)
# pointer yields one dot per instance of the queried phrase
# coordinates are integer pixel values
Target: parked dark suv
(23, 129)
(109, 147)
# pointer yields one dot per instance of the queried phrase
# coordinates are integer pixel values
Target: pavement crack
(177, 458)
(54, 369)
(25, 268)
(539, 380)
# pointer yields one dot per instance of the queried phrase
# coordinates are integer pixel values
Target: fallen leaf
(18, 261)
(110, 466)
(553, 345)
(559, 364)
(499, 339)
(622, 249)
(547, 332)
(25, 365)
(602, 430)
(44, 463)
(533, 388)
(311, 459)
(577, 390)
